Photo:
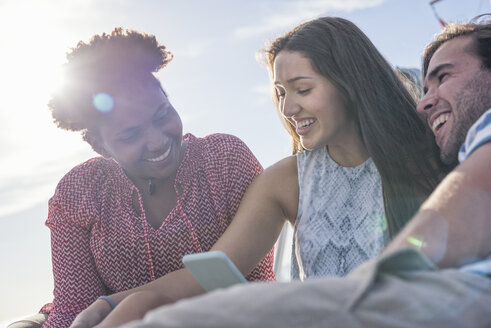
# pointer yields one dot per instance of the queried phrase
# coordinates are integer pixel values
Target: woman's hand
(134, 307)
(92, 315)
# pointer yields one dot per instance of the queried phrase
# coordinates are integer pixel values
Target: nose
(155, 139)
(288, 106)
(426, 103)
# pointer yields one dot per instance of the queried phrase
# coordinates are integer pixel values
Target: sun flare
(30, 61)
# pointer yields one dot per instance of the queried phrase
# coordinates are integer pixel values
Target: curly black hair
(104, 64)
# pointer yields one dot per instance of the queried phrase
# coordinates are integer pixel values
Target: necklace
(151, 187)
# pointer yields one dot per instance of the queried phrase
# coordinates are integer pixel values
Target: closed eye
(441, 77)
(129, 139)
(304, 91)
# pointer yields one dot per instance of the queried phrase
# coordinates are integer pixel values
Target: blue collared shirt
(478, 134)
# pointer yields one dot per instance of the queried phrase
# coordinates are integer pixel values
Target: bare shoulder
(285, 171)
(279, 182)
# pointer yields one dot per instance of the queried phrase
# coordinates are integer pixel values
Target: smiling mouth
(306, 123)
(161, 157)
(439, 122)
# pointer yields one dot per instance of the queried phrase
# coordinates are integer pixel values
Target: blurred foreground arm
(452, 227)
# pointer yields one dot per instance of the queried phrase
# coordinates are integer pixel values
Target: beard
(472, 101)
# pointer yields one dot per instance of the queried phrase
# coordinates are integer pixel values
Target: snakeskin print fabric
(340, 221)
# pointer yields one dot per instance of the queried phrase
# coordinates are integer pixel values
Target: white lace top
(340, 221)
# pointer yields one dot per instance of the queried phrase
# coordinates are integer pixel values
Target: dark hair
(479, 31)
(396, 138)
(107, 62)
(411, 77)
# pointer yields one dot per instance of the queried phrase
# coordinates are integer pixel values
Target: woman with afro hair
(122, 220)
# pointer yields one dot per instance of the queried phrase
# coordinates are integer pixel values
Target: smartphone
(213, 270)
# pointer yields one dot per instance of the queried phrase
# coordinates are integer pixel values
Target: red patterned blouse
(102, 245)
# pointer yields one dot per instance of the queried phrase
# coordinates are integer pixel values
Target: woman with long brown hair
(362, 163)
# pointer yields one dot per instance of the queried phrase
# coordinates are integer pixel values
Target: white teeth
(305, 123)
(161, 157)
(439, 122)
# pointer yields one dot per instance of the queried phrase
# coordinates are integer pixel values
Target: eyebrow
(294, 79)
(161, 106)
(437, 69)
(432, 75)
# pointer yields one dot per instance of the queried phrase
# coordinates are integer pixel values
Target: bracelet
(109, 301)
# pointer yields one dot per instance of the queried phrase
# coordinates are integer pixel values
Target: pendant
(151, 187)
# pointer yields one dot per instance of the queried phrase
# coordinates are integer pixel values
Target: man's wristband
(109, 301)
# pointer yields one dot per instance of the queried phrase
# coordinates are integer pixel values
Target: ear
(94, 140)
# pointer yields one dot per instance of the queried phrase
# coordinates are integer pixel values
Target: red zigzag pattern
(98, 239)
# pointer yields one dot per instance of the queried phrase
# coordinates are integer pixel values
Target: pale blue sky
(214, 82)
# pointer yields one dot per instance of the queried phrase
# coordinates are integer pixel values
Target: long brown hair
(397, 139)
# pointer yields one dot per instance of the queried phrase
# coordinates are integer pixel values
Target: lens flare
(416, 242)
(384, 224)
(103, 102)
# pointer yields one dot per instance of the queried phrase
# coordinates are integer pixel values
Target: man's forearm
(452, 226)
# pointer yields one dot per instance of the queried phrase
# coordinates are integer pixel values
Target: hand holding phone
(213, 270)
